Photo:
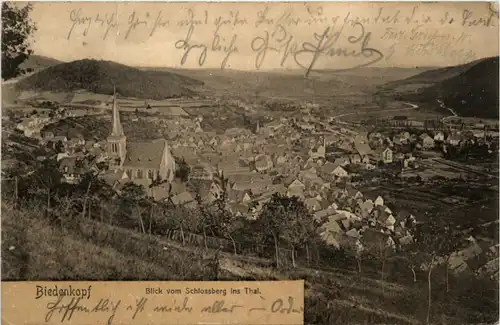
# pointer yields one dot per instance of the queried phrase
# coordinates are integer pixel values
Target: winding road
(412, 106)
(445, 119)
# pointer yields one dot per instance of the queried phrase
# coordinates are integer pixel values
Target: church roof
(145, 154)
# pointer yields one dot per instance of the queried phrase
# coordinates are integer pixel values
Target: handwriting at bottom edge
(75, 306)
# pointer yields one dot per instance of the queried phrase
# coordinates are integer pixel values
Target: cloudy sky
(250, 35)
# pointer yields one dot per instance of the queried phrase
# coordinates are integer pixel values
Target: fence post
(15, 193)
(307, 253)
(182, 235)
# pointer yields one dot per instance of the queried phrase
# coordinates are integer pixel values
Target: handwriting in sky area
(334, 39)
(63, 309)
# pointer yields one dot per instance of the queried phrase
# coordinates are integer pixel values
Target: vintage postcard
(250, 163)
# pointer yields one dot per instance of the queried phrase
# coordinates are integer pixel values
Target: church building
(140, 162)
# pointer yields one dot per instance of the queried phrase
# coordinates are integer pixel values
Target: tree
(17, 28)
(271, 218)
(59, 147)
(90, 180)
(182, 169)
(133, 200)
(195, 185)
(452, 241)
(288, 219)
(46, 177)
(221, 221)
(411, 256)
(378, 245)
(432, 244)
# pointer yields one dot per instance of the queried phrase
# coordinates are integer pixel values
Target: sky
(250, 36)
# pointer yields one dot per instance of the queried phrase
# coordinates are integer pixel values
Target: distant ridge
(470, 89)
(99, 76)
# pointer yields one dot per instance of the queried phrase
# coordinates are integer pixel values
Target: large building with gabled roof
(142, 163)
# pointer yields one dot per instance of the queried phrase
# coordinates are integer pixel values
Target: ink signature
(107, 21)
(186, 45)
(218, 45)
(134, 21)
(325, 47)
(279, 41)
(67, 309)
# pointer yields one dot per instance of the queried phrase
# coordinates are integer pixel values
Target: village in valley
(365, 183)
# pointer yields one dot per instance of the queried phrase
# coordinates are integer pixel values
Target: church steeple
(117, 142)
(117, 130)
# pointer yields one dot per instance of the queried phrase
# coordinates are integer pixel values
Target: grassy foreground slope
(35, 249)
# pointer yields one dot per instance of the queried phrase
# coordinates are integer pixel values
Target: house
(70, 169)
(364, 209)
(142, 162)
(33, 133)
(306, 126)
(405, 136)
(76, 142)
(383, 216)
(427, 141)
(399, 156)
(184, 198)
(332, 233)
(378, 201)
(313, 204)
(296, 188)
(342, 161)
(385, 155)
(214, 192)
(247, 197)
(353, 193)
(263, 163)
(61, 138)
(454, 139)
(327, 211)
(27, 123)
(355, 158)
(240, 210)
(404, 221)
(401, 138)
(275, 125)
(439, 136)
(320, 151)
(47, 135)
(328, 168)
(340, 172)
(377, 240)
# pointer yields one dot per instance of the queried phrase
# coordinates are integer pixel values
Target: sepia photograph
(351, 145)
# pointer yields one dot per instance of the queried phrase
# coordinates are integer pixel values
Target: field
(469, 204)
(81, 97)
(338, 92)
(99, 127)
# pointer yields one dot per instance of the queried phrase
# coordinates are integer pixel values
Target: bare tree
(432, 244)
